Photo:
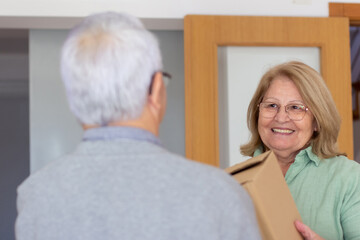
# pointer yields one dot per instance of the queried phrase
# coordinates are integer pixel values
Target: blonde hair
(317, 98)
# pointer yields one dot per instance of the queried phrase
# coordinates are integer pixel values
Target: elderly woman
(293, 114)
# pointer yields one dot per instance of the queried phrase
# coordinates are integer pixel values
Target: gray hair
(107, 64)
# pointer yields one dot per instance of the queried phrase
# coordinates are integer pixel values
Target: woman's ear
(315, 126)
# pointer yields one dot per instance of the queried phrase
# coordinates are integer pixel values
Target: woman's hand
(306, 232)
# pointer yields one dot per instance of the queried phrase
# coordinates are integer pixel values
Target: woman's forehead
(283, 88)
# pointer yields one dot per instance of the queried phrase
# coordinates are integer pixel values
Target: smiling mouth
(276, 130)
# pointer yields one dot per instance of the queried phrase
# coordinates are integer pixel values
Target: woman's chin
(281, 148)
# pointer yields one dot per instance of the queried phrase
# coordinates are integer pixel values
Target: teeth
(282, 130)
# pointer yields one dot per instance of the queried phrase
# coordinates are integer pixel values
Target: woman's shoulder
(342, 160)
(342, 166)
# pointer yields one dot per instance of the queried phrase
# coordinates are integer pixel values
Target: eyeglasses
(166, 79)
(296, 112)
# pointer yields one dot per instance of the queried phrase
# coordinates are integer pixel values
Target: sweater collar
(113, 133)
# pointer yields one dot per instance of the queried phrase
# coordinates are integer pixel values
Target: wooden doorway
(203, 35)
(351, 11)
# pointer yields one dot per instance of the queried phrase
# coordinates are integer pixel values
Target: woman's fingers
(306, 232)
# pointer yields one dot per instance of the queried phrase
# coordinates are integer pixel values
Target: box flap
(247, 164)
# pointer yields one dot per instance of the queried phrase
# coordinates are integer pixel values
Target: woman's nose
(282, 115)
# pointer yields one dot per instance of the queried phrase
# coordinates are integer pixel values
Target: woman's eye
(268, 105)
(297, 107)
(272, 105)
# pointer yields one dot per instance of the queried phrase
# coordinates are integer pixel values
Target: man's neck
(149, 120)
(137, 124)
(146, 124)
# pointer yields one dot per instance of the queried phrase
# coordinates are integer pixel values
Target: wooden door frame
(203, 35)
(349, 10)
(352, 12)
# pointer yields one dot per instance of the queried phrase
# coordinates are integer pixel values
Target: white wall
(53, 129)
(166, 8)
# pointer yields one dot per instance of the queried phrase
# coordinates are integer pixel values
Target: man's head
(108, 63)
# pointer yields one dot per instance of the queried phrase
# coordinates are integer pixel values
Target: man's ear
(156, 91)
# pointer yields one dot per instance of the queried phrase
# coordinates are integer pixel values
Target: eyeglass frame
(286, 110)
(164, 74)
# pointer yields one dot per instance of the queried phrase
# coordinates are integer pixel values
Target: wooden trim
(352, 12)
(349, 10)
(203, 35)
(336, 9)
(201, 96)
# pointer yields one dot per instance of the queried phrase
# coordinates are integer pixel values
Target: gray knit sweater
(120, 184)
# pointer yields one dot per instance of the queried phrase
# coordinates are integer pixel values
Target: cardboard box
(275, 208)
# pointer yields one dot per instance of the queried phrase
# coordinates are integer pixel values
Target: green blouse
(326, 193)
